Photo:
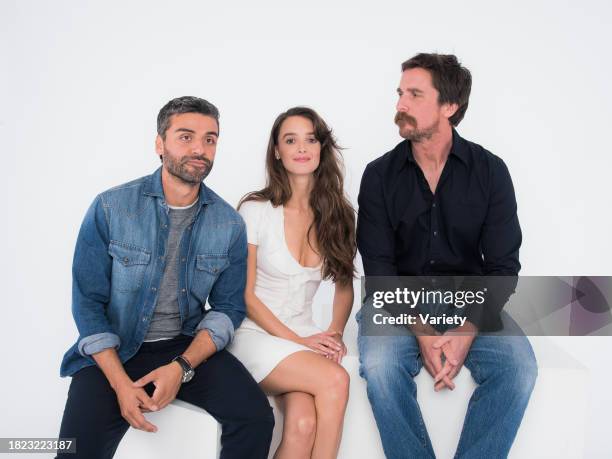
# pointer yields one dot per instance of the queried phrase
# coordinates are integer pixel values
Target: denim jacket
(119, 261)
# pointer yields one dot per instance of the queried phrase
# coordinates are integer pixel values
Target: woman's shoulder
(254, 206)
(257, 215)
(255, 212)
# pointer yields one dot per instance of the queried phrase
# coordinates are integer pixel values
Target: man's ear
(159, 145)
(449, 110)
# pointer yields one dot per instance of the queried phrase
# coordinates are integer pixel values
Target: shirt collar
(153, 187)
(459, 149)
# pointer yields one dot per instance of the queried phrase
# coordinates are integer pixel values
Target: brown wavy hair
(334, 216)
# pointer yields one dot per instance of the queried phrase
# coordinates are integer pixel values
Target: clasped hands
(134, 401)
(328, 343)
(453, 346)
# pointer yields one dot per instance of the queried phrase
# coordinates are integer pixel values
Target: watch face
(188, 375)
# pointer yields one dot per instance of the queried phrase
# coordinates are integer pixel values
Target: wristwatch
(188, 372)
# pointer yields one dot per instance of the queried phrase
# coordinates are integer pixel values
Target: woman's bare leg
(327, 382)
(299, 426)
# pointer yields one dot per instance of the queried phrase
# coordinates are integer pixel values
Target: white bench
(553, 426)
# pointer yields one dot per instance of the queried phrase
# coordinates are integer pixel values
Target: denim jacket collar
(153, 187)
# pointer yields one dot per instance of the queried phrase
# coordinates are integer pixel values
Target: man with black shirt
(439, 205)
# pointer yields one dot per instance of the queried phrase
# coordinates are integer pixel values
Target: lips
(302, 159)
(197, 163)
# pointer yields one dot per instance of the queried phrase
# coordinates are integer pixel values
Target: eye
(211, 140)
(312, 140)
(414, 93)
(185, 138)
(290, 141)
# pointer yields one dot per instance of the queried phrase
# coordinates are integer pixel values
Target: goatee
(186, 172)
(415, 134)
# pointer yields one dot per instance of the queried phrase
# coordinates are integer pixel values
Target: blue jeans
(504, 367)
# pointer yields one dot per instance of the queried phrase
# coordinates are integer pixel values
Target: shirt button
(165, 226)
(435, 233)
(183, 259)
(433, 205)
(183, 290)
(144, 319)
(154, 289)
(431, 262)
(126, 260)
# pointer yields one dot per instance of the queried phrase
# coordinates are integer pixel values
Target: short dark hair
(452, 81)
(185, 104)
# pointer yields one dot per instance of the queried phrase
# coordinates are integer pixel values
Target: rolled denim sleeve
(226, 297)
(95, 343)
(91, 283)
(219, 326)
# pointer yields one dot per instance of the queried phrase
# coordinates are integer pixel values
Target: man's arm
(91, 278)
(500, 242)
(91, 286)
(226, 297)
(132, 400)
(375, 235)
(501, 233)
(168, 378)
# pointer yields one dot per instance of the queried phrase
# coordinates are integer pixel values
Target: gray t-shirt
(166, 320)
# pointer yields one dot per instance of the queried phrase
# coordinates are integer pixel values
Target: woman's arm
(343, 303)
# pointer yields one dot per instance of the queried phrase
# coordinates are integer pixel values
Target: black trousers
(221, 386)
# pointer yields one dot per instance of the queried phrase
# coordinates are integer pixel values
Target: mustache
(401, 116)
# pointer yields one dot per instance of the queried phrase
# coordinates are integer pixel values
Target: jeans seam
(422, 432)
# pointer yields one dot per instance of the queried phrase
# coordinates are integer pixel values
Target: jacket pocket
(129, 266)
(207, 270)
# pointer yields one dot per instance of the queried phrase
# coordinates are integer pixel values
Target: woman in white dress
(300, 230)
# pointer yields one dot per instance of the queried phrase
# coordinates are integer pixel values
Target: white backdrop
(82, 83)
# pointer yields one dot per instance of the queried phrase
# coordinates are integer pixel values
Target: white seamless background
(82, 82)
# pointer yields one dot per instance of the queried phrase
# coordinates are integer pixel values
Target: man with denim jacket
(149, 257)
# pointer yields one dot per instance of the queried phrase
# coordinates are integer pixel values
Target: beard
(188, 173)
(414, 134)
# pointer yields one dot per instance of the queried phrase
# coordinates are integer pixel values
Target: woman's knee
(336, 383)
(300, 429)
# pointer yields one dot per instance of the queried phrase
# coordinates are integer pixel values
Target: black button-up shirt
(468, 227)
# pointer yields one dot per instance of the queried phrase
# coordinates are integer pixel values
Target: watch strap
(184, 363)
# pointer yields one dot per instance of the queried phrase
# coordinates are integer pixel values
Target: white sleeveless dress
(282, 284)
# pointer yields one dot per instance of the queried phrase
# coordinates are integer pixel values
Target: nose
(198, 148)
(302, 147)
(401, 104)
(404, 102)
